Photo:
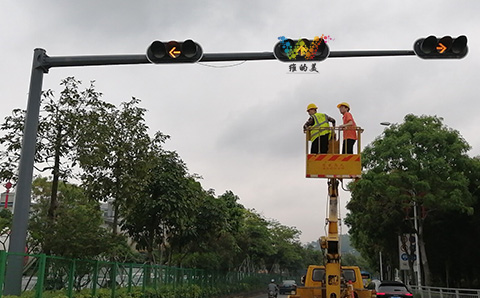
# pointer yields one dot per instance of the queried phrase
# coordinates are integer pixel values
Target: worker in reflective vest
(319, 138)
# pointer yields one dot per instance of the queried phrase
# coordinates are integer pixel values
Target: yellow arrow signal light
(441, 48)
(174, 54)
(187, 51)
(446, 47)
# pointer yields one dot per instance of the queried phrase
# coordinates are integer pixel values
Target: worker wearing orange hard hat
(319, 137)
(349, 128)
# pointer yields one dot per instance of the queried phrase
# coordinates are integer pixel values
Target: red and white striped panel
(333, 157)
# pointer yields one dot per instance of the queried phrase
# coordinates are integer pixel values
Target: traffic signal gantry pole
(41, 65)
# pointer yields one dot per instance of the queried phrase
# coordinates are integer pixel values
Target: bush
(218, 289)
(166, 291)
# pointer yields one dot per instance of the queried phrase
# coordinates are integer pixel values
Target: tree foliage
(165, 206)
(422, 163)
(113, 157)
(77, 231)
(59, 128)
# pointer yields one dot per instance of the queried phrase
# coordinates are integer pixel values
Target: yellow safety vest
(320, 121)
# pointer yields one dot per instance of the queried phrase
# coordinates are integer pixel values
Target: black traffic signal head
(174, 52)
(288, 50)
(443, 48)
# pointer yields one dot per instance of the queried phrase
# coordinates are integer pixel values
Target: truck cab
(315, 283)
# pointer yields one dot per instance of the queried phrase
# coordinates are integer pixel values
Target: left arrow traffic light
(187, 51)
(441, 48)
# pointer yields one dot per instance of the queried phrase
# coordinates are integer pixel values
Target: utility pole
(381, 265)
(417, 251)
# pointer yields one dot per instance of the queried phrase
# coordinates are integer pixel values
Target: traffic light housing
(441, 48)
(413, 243)
(304, 50)
(187, 51)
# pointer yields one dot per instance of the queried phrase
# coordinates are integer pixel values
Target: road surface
(265, 296)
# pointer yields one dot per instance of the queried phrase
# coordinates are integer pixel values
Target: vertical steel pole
(13, 278)
(381, 265)
(417, 251)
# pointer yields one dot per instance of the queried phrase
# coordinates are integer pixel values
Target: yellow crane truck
(332, 280)
(315, 286)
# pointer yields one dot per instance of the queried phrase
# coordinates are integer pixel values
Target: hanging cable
(327, 212)
(222, 66)
(339, 213)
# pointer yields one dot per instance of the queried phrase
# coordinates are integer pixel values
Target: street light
(415, 221)
(417, 251)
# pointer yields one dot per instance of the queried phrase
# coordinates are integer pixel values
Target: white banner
(405, 246)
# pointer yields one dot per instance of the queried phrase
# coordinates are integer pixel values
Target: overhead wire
(222, 66)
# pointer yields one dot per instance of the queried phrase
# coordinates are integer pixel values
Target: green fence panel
(94, 278)
(67, 277)
(3, 264)
(113, 280)
(71, 278)
(42, 265)
(130, 278)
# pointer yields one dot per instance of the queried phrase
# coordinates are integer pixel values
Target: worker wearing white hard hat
(318, 136)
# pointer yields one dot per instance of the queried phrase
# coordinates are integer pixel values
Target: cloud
(240, 125)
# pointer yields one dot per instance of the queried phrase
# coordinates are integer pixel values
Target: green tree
(288, 249)
(164, 207)
(77, 231)
(452, 238)
(420, 162)
(211, 243)
(114, 154)
(254, 242)
(60, 125)
(311, 255)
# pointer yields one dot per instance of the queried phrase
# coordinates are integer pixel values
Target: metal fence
(435, 292)
(49, 273)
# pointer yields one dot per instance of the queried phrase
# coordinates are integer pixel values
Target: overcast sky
(239, 126)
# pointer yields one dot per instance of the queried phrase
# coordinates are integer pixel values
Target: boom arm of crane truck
(332, 280)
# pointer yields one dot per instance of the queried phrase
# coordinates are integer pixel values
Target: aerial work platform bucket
(333, 164)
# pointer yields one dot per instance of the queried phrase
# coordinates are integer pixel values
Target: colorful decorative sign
(301, 48)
